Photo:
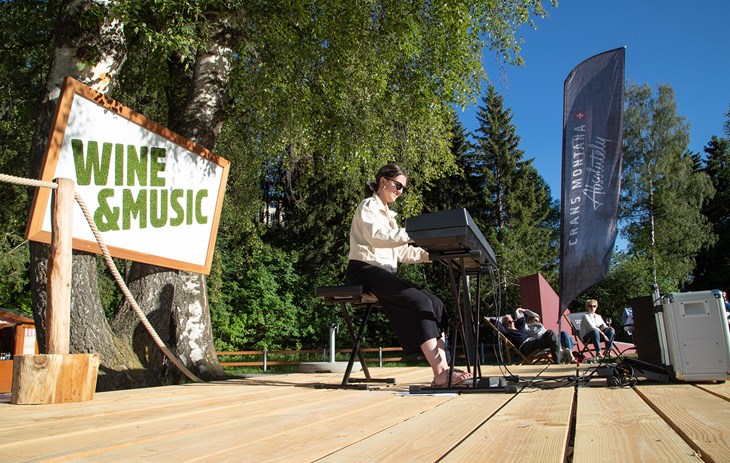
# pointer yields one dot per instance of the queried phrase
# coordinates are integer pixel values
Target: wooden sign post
(58, 312)
(57, 376)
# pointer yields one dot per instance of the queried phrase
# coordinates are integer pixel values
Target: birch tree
(177, 300)
(662, 194)
(89, 46)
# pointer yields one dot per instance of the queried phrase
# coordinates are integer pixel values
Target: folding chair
(573, 320)
(583, 348)
(537, 357)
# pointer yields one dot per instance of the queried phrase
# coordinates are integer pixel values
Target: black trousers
(548, 340)
(415, 314)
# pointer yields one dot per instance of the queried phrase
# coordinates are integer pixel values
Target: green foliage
(109, 291)
(168, 26)
(258, 309)
(325, 92)
(456, 187)
(662, 194)
(345, 87)
(316, 214)
(24, 55)
(14, 286)
(628, 277)
(514, 202)
(713, 263)
(25, 28)
(147, 82)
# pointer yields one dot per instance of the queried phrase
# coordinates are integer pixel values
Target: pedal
(491, 382)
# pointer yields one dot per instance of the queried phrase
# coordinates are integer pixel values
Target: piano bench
(352, 294)
(355, 296)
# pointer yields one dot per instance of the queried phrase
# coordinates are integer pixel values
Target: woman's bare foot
(459, 377)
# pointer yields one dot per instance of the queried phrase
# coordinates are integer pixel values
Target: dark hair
(390, 170)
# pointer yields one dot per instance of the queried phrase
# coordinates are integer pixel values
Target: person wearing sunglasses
(593, 329)
(377, 246)
(514, 327)
(537, 330)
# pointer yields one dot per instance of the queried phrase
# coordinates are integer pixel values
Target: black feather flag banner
(591, 177)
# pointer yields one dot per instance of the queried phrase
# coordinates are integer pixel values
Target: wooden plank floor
(284, 418)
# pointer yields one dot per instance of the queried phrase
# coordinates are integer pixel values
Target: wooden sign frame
(188, 181)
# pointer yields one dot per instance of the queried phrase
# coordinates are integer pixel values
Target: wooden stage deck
(283, 418)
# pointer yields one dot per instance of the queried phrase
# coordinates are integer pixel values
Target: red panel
(537, 295)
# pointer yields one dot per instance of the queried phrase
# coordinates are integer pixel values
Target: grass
(283, 369)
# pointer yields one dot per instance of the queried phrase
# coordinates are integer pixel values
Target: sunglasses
(398, 185)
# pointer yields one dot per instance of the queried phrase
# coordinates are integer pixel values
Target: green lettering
(132, 208)
(156, 166)
(158, 208)
(119, 164)
(105, 217)
(137, 165)
(189, 210)
(175, 196)
(91, 165)
(199, 217)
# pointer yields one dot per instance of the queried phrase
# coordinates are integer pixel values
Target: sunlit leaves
(662, 194)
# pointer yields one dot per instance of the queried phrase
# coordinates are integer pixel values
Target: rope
(112, 268)
(27, 181)
(128, 294)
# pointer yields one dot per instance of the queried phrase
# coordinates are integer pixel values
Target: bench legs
(357, 339)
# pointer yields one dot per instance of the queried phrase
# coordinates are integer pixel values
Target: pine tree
(515, 202)
(454, 189)
(713, 264)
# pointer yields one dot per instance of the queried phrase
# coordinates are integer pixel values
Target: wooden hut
(17, 337)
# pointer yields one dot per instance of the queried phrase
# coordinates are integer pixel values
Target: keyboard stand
(465, 324)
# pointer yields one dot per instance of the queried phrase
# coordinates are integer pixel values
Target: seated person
(627, 320)
(537, 329)
(593, 329)
(514, 328)
(377, 246)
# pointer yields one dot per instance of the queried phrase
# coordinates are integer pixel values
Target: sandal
(455, 381)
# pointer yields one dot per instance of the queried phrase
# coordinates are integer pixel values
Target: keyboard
(451, 234)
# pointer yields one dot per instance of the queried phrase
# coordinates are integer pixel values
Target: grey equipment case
(694, 335)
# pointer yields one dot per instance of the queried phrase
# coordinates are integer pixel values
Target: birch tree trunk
(176, 302)
(90, 331)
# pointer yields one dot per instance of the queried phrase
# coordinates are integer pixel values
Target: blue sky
(683, 44)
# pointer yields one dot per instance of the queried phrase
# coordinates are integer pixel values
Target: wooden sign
(154, 195)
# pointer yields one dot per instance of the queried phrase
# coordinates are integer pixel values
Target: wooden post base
(54, 378)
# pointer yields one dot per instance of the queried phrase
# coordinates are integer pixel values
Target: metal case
(696, 340)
